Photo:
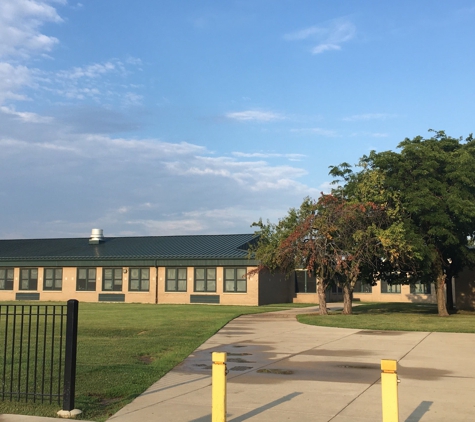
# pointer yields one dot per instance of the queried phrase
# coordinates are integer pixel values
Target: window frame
(5, 281)
(206, 280)
(309, 282)
(115, 287)
(335, 289)
(87, 279)
(234, 279)
(176, 279)
(426, 290)
(32, 282)
(360, 285)
(140, 280)
(54, 279)
(385, 287)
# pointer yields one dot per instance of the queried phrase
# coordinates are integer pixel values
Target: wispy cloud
(204, 193)
(22, 39)
(90, 71)
(326, 187)
(370, 134)
(20, 23)
(291, 157)
(13, 78)
(325, 37)
(254, 115)
(369, 116)
(24, 116)
(316, 131)
(104, 82)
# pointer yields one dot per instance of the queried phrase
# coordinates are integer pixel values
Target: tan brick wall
(405, 296)
(156, 290)
(248, 298)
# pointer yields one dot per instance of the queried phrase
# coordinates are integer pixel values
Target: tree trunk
(440, 284)
(322, 300)
(448, 291)
(347, 299)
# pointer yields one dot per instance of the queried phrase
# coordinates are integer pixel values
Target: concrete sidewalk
(313, 374)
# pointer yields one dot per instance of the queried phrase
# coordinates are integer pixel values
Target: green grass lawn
(125, 348)
(397, 317)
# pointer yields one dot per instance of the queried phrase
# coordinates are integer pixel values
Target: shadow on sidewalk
(254, 412)
(419, 411)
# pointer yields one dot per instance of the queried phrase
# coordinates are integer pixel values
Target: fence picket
(34, 352)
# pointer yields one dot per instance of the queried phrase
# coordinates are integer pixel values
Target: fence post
(219, 387)
(389, 391)
(69, 387)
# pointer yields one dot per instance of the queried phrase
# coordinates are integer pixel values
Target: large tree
(430, 185)
(334, 239)
(300, 240)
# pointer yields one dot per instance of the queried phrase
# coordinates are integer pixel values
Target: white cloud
(370, 134)
(21, 39)
(325, 47)
(291, 157)
(12, 80)
(316, 131)
(90, 71)
(100, 82)
(369, 116)
(326, 187)
(135, 186)
(20, 23)
(254, 115)
(327, 37)
(305, 33)
(24, 116)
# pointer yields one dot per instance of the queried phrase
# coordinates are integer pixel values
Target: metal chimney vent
(97, 236)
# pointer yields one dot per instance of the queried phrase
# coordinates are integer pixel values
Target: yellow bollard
(219, 387)
(389, 383)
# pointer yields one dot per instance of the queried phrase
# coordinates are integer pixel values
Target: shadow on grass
(395, 308)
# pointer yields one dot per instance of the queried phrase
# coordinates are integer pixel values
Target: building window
(53, 279)
(6, 278)
(176, 280)
(235, 280)
(335, 289)
(361, 287)
(205, 279)
(29, 279)
(112, 279)
(420, 288)
(139, 279)
(86, 279)
(304, 283)
(390, 288)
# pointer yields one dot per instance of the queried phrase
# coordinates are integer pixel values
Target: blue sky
(198, 117)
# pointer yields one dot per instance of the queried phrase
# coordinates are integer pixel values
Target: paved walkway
(313, 374)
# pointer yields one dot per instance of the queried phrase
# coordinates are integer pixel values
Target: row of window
(235, 279)
(417, 288)
(307, 284)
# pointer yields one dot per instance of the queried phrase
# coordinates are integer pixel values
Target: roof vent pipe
(97, 236)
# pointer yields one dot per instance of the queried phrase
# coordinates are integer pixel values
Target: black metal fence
(38, 353)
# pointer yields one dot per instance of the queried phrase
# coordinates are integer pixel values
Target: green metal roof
(200, 247)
